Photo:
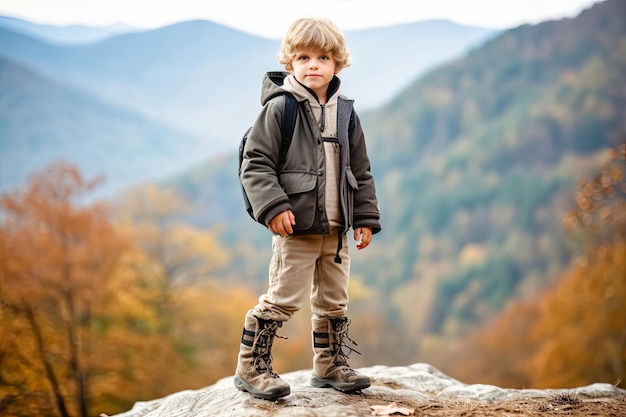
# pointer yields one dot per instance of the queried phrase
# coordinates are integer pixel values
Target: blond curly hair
(321, 34)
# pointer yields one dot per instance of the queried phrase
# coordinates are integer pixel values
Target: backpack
(290, 111)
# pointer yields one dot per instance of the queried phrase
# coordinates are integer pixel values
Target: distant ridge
(65, 35)
(42, 121)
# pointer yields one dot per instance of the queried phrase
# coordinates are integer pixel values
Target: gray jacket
(299, 185)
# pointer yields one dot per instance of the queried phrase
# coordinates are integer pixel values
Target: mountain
(196, 79)
(42, 120)
(476, 163)
(64, 35)
(205, 78)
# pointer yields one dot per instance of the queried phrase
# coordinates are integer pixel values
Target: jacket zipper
(323, 121)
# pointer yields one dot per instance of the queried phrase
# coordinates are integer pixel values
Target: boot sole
(269, 396)
(346, 387)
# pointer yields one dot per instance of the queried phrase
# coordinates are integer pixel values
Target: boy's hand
(282, 223)
(363, 236)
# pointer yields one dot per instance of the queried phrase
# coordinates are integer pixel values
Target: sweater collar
(300, 90)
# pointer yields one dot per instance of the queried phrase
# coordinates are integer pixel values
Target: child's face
(315, 69)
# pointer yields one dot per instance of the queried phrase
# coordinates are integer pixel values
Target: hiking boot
(330, 363)
(254, 372)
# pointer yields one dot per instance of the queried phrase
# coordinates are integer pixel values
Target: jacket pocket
(300, 189)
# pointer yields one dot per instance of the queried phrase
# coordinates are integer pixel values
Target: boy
(323, 187)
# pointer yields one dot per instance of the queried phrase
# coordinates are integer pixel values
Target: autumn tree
(177, 255)
(57, 256)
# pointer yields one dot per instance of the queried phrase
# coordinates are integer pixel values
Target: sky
(270, 18)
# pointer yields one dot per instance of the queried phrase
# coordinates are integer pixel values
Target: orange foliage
(499, 354)
(581, 336)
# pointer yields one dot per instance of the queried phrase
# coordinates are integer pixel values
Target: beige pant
(303, 266)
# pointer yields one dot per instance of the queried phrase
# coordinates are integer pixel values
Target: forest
(107, 305)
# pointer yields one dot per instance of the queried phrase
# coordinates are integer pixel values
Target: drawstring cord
(339, 246)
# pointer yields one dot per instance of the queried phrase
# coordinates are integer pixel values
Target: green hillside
(476, 163)
(478, 160)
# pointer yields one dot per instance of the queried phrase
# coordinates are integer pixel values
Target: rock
(419, 387)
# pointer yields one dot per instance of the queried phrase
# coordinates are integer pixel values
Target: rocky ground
(418, 390)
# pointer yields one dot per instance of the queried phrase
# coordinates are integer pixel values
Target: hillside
(476, 163)
(42, 121)
(485, 157)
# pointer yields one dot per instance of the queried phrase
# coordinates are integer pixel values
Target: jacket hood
(272, 85)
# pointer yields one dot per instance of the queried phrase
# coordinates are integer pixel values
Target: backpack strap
(288, 124)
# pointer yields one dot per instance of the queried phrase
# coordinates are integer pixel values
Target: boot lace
(263, 347)
(340, 327)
